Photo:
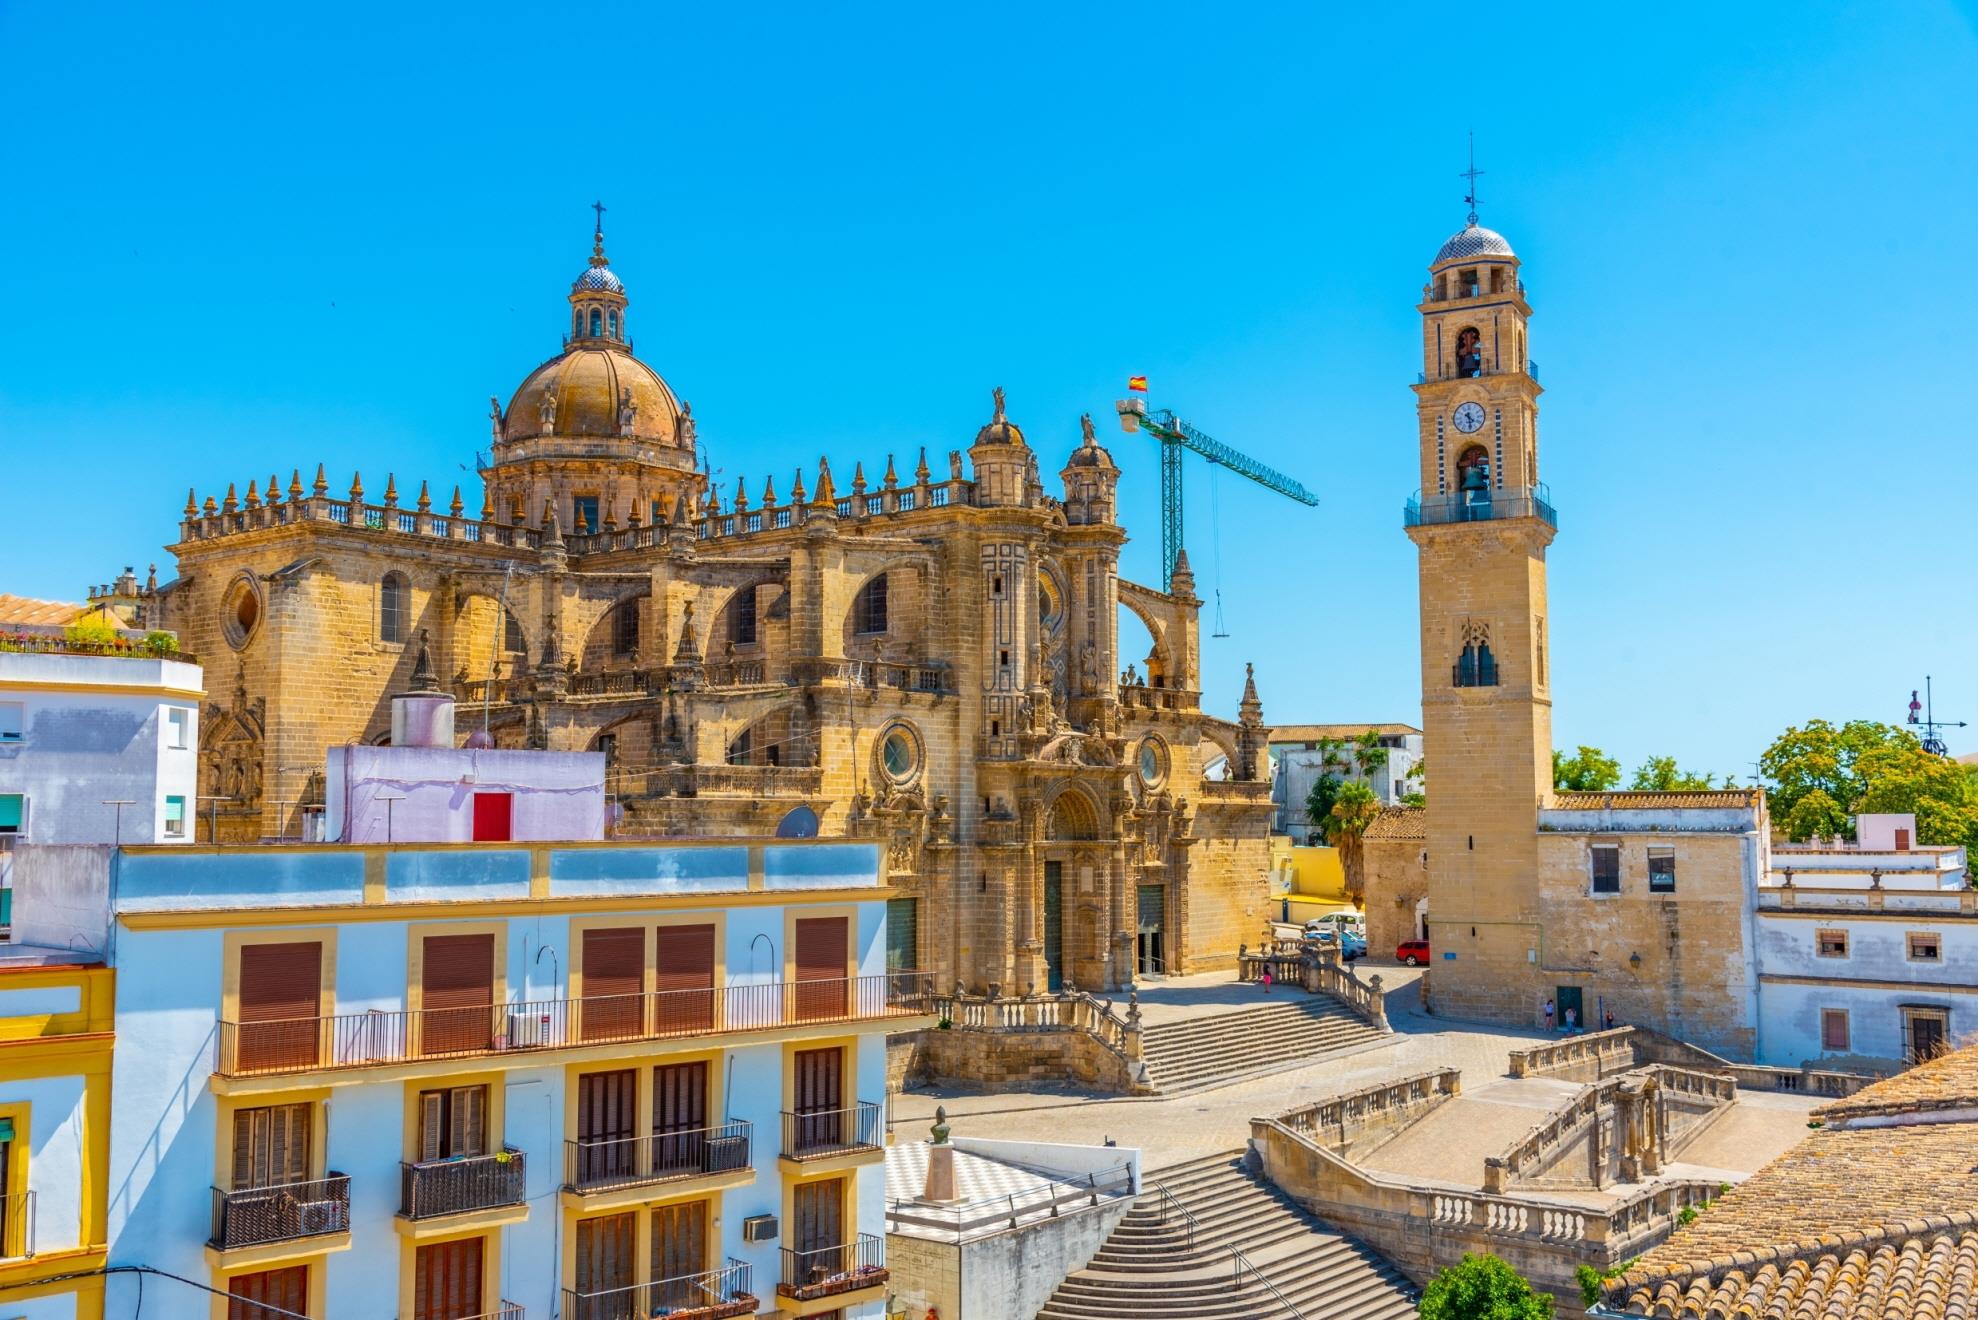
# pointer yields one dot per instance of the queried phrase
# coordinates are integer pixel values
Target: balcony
(1525, 502)
(823, 1133)
(832, 1271)
(591, 1166)
(257, 1216)
(383, 1038)
(17, 1226)
(711, 1295)
(461, 1185)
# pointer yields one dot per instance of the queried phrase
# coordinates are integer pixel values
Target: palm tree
(1353, 809)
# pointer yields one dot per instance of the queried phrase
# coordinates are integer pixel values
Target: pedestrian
(1266, 978)
(1548, 1015)
(1610, 1019)
(1572, 1020)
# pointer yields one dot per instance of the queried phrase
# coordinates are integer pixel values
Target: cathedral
(927, 657)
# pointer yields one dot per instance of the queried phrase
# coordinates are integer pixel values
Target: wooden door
(683, 980)
(613, 1007)
(446, 1281)
(271, 1146)
(493, 817)
(679, 1255)
(604, 1268)
(1902, 839)
(249, 1296)
(607, 1126)
(458, 988)
(281, 1004)
(823, 947)
(818, 1234)
(1054, 926)
(679, 1117)
(819, 1090)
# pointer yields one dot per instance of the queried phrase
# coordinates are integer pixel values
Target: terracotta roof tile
(22, 611)
(1291, 733)
(1638, 801)
(1399, 823)
(1947, 1082)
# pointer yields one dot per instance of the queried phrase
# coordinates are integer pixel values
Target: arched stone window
(1473, 481)
(869, 607)
(799, 823)
(394, 608)
(1469, 351)
(611, 323)
(625, 628)
(597, 322)
(1475, 665)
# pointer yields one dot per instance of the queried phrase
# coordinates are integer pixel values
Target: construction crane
(1176, 435)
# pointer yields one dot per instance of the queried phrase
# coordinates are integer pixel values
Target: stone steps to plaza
(1171, 1258)
(1196, 1053)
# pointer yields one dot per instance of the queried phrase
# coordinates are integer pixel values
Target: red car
(1412, 952)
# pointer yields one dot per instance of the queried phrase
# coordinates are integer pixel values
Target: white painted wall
(55, 1159)
(79, 749)
(1871, 983)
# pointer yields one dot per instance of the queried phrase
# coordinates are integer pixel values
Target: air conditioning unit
(760, 1228)
(314, 1217)
(529, 1029)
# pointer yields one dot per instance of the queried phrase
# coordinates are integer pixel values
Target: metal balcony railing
(455, 1186)
(828, 1271)
(711, 1295)
(17, 1226)
(1481, 506)
(814, 1134)
(595, 1165)
(375, 1039)
(255, 1216)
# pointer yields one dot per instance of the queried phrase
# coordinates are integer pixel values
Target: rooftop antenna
(1472, 174)
(1923, 715)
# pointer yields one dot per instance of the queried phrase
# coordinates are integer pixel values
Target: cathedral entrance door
(1151, 954)
(1054, 926)
(1570, 998)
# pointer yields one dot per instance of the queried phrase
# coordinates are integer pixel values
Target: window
(1925, 946)
(251, 1296)
(597, 321)
(453, 1122)
(394, 608)
(13, 813)
(178, 728)
(611, 322)
(13, 721)
(742, 617)
(271, 1146)
(1832, 943)
(902, 934)
(625, 628)
(175, 816)
(512, 639)
(869, 610)
(1475, 665)
(446, 1280)
(738, 750)
(1661, 870)
(1925, 1033)
(280, 995)
(679, 1255)
(584, 513)
(457, 991)
(240, 612)
(1606, 869)
(1834, 1029)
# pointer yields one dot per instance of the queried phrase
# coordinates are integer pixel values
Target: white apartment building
(1302, 754)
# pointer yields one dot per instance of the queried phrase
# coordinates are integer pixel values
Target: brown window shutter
(446, 1281)
(470, 1121)
(432, 1125)
(287, 1289)
(822, 949)
(271, 1146)
(679, 1251)
(818, 1210)
(684, 979)
(458, 989)
(607, 1120)
(281, 989)
(604, 1254)
(614, 982)
(819, 1080)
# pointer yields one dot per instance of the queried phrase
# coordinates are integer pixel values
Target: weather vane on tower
(1472, 174)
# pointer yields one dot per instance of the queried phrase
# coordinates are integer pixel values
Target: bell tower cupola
(597, 298)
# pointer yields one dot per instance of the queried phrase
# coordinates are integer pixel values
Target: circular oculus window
(1153, 762)
(240, 612)
(899, 754)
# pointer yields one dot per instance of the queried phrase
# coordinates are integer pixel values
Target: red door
(493, 813)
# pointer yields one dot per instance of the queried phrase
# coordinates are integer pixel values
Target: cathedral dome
(586, 391)
(1473, 241)
(599, 277)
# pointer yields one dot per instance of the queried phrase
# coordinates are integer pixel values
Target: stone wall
(1012, 1060)
(1397, 879)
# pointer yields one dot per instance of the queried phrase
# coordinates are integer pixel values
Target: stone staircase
(1201, 1052)
(1157, 1265)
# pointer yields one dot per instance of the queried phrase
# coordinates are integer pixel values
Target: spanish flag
(1138, 383)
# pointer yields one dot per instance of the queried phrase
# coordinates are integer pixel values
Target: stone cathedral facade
(927, 656)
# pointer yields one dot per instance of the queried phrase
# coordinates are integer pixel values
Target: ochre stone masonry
(926, 657)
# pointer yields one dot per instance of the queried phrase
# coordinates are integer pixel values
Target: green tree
(1816, 816)
(1368, 754)
(1353, 809)
(1414, 799)
(1661, 774)
(1482, 1288)
(1821, 776)
(1589, 770)
(1820, 756)
(1318, 800)
(1942, 794)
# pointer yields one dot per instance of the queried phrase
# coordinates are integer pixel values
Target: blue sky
(244, 239)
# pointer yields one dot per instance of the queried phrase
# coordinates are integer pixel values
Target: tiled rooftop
(1400, 823)
(1293, 733)
(25, 611)
(1853, 1223)
(1639, 801)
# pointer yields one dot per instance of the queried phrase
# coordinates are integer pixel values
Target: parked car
(1352, 944)
(1412, 952)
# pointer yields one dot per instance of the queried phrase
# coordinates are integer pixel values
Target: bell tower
(1481, 521)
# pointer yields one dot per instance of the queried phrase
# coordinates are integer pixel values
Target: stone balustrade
(1347, 1121)
(1068, 1036)
(388, 518)
(1317, 970)
(1140, 696)
(1585, 1057)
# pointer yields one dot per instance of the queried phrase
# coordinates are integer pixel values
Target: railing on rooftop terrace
(711, 1295)
(1485, 506)
(1144, 697)
(829, 1271)
(381, 1038)
(124, 648)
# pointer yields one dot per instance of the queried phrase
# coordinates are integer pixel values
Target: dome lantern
(597, 296)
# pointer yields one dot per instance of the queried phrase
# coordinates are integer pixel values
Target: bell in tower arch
(1469, 352)
(1474, 486)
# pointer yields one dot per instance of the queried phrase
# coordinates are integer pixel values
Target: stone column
(1120, 932)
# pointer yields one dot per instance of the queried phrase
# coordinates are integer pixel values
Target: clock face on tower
(1469, 418)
